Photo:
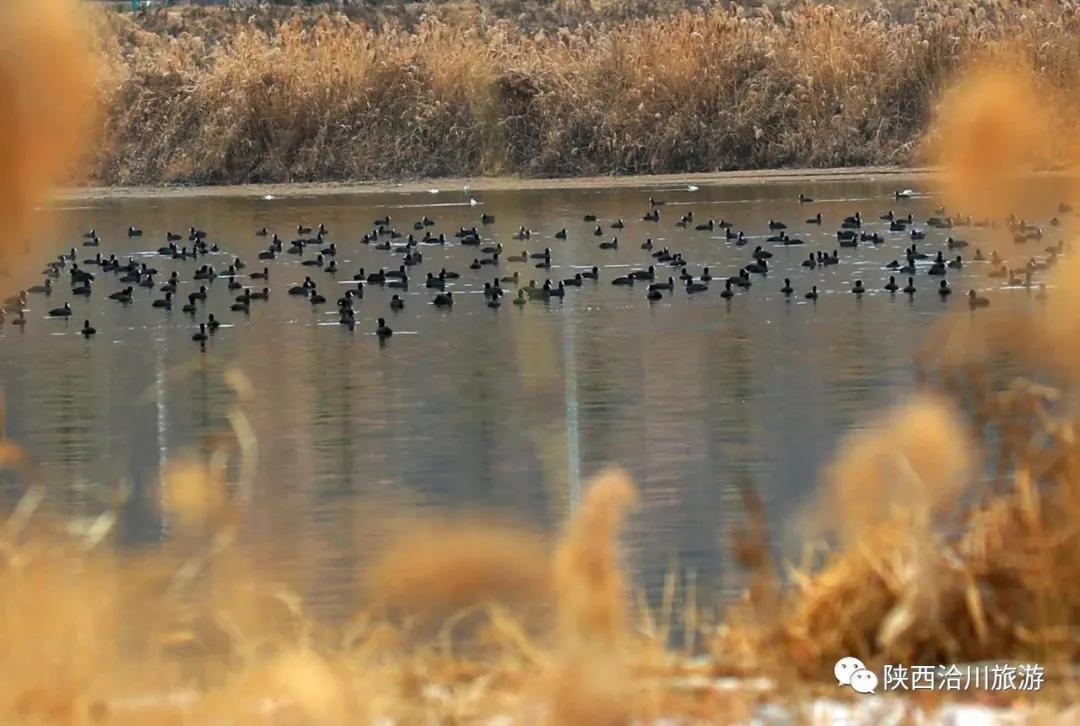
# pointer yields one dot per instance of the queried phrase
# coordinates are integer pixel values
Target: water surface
(511, 409)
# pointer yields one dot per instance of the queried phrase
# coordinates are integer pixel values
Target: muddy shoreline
(451, 185)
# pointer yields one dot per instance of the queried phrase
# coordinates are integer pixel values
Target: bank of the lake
(218, 96)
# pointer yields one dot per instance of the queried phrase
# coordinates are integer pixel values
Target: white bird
(692, 188)
(906, 193)
(473, 202)
(432, 191)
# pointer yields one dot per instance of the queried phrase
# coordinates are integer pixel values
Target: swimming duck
(443, 300)
(943, 289)
(316, 298)
(654, 295)
(487, 219)
(891, 285)
(787, 289)
(382, 330)
(612, 245)
(858, 289)
(816, 219)
(774, 225)
(810, 262)
(813, 294)
(692, 287)
(706, 226)
(652, 216)
(263, 294)
(706, 276)
(727, 292)
(45, 289)
(200, 337)
(623, 280)
(669, 285)
(852, 222)
(598, 230)
(617, 224)
(165, 302)
(593, 274)
(974, 301)
(63, 312)
(132, 232)
(803, 199)
(123, 296)
(396, 303)
(561, 234)
(760, 267)
(910, 287)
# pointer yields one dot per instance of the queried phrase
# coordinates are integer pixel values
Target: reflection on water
(508, 409)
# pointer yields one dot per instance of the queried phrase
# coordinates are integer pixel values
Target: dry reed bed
(218, 97)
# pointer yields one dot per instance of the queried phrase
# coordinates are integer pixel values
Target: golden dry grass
(954, 523)
(577, 88)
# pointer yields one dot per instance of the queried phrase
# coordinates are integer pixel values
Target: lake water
(511, 409)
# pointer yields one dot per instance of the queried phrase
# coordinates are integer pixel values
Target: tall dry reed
(580, 88)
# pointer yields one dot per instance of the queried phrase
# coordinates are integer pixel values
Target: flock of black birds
(319, 255)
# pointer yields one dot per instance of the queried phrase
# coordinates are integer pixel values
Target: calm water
(509, 409)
